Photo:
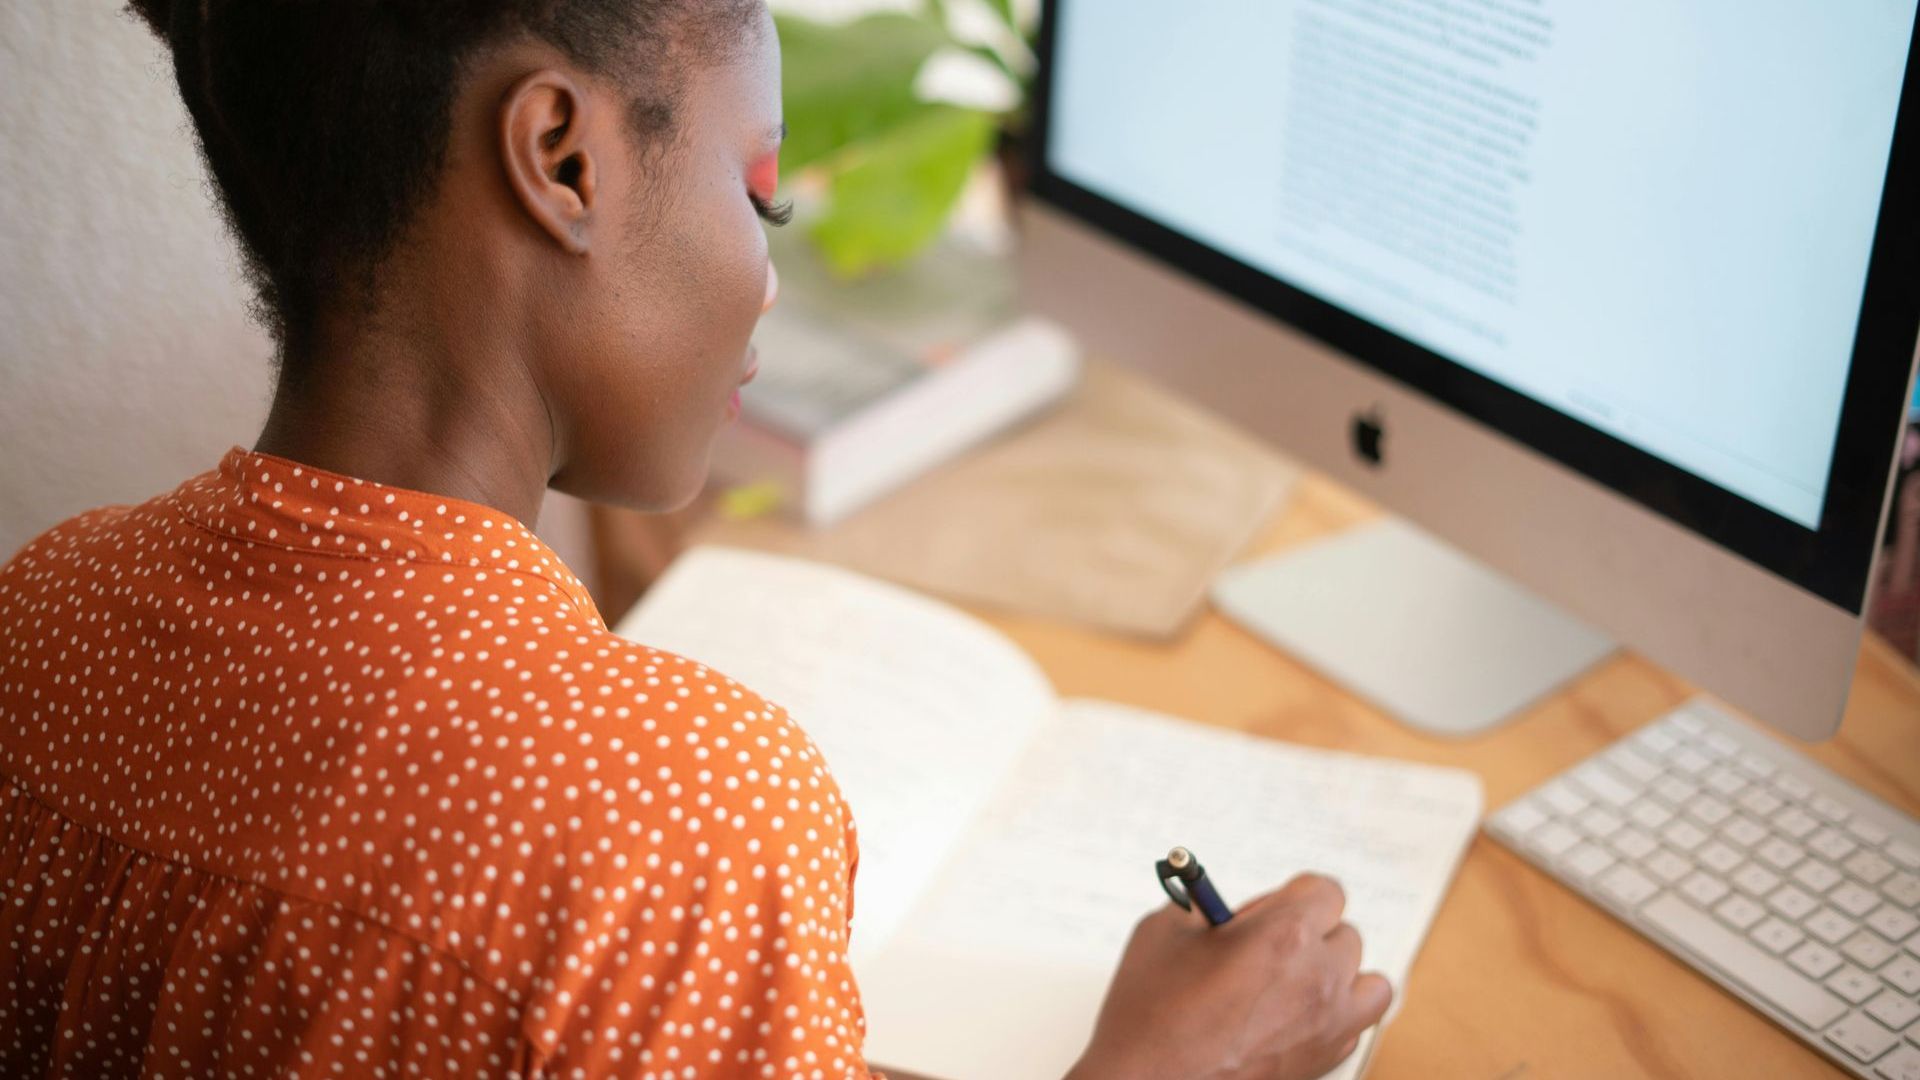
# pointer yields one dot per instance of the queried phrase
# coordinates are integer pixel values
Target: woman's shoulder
(93, 536)
(606, 704)
(636, 738)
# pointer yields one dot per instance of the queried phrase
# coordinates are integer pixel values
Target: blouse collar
(265, 499)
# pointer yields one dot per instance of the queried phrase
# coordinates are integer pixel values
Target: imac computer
(1620, 300)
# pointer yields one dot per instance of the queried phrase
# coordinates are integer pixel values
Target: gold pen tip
(1179, 857)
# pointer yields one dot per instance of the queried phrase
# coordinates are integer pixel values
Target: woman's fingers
(1369, 998)
(1315, 899)
(1343, 947)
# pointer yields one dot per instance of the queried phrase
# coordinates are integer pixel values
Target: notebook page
(918, 708)
(999, 971)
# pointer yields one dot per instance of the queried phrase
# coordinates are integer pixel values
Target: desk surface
(1520, 977)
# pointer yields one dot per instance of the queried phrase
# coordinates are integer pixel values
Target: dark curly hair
(325, 122)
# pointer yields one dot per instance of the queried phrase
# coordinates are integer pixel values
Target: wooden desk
(1520, 977)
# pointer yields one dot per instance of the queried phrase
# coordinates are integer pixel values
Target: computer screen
(1656, 219)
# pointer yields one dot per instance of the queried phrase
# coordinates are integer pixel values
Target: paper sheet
(999, 971)
(918, 708)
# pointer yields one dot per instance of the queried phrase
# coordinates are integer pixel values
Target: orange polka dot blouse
(308, 776)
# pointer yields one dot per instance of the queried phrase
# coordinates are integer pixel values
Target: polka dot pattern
(305, 775)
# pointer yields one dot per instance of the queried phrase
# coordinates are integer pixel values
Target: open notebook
(1008, 837)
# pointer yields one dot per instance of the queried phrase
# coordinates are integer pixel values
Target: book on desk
(967, 776)
(836, 417)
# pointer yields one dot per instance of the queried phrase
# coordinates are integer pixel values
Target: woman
(321, 764)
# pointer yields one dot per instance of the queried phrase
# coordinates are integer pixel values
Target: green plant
(891, 163)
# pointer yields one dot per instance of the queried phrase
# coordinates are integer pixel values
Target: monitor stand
(1399, 618)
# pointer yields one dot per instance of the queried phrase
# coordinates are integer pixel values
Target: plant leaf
(846, 82)
(893, 194)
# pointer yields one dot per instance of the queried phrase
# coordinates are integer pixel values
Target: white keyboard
(1768, 874)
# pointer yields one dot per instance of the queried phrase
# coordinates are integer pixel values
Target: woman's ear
(543, 148)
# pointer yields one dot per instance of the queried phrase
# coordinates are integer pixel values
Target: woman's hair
(325, 123)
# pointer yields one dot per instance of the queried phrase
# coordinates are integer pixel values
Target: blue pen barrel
(1208, 901)
(1186, 882)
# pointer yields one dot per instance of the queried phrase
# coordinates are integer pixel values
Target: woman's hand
(1274, 993)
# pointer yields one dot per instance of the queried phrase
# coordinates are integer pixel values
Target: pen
(1186, 882)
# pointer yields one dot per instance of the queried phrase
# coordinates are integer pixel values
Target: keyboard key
(1902, 1064)
(1745, 963)
(1520, 818)
(1709, 811)
(1833, 844)
(1675, 791)
(1628, 885)
(1743, 830)
(1719, 744)
(1633, 763)
(1853, 984)
(1779, 854)
(1605, 784)
(1561, 796)
(1690, 761)
(1854, 898)
(1586, 860)
(1814, 958)
(1553, 839)
(1687, 724)
(1792, 786)
(1755, 766)
(1633, 843)
(1683, 835)
(1703, 889)
(1656, 739)
(1868, 867)
(1740, 913)
(1862, 1036)
(1598, 822)
(1903, 889)
(1893, 1010)
(1904, 853)
(1777, 936)
(1720, 858)
(1868, 949)
(1795, 822)
(1759, 800)
(1829, 926)
(1791, 903)
(1903, 974)
(1830, 808)
(1867, 832)
(1670, 866)
(1649, 814)
(1892, 923)
(1725, 781)
(1755, 880)
(1816, 875)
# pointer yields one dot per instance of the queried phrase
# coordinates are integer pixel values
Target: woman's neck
(451, 413)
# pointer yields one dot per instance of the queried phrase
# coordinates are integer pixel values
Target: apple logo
(1368, 431)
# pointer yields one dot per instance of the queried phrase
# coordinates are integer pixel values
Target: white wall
(127, 361)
